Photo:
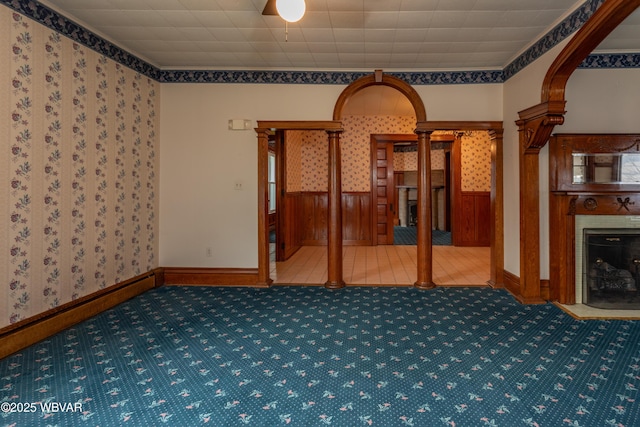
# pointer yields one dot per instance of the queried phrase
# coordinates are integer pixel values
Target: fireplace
(611, 268)
(591, 188)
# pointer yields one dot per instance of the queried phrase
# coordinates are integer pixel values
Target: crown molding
(63, 25)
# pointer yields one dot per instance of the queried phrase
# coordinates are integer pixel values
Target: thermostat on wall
(239, 124)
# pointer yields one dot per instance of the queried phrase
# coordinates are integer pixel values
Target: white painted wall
(606, 101)
(521, 92)
(201, 160)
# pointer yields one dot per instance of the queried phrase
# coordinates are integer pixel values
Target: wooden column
(425, 259)
(263, 208)
(334, 223)
(497, 210)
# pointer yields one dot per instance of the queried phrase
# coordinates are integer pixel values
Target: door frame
(389, 138)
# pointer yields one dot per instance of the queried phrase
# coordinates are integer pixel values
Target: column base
(335, 285)
(424, 285)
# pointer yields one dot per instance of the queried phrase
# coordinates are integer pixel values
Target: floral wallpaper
(475, 158)
(355, 142)
(476, 161)
(408, 161)
(307, 155)
(78, 170)
(293, 149)
(315, 161)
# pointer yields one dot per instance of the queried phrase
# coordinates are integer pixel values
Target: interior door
(383, 190)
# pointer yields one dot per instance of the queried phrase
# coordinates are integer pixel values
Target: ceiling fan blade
(270, 8)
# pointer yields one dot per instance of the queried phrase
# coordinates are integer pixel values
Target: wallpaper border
(57, 22)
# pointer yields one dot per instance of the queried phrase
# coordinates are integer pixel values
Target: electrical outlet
(238, 185)
(208, 252)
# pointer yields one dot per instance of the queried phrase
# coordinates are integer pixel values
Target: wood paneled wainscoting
(311, 222)
(472, 219)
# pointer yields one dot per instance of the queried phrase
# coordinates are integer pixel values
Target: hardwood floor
(385, 265)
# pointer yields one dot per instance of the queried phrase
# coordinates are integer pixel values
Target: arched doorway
(423, 129)
(424, 254)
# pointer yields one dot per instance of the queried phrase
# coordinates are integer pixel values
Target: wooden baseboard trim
(212, 276)
(30, 331)
(512, 284)
(545, 289)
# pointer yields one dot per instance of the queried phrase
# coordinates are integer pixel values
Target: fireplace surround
(589, 194)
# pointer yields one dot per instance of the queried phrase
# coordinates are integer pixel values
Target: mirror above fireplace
(610, 168)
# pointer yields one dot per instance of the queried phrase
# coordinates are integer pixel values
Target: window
(272, 182)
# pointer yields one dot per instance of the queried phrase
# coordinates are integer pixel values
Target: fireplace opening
(611, 268)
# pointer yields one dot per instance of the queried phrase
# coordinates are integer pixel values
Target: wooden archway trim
(611, 14)
(536, 124)
(424, 261)
(385, 80)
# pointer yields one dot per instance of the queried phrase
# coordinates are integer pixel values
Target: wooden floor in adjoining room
(385, 265)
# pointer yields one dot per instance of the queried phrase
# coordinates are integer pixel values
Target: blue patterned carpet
(407, 236)
(307, 356)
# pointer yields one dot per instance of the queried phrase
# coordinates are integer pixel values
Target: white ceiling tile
(319, 19)
(381, 20)
(375, 36)
(417, 34)
(213, 19)
(378, 47)
(317, 35)
(343, 35)
(414, 35)
(196, 34)
(447, 19)
(419, 5)
(241, 5)
(347, 19)
(193, 5)
(179, 18)
(258, 34)
(246, 19)
(401, 48)
(323, 48)
(382, 5)
(229, 35)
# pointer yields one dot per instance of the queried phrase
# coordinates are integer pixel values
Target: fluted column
(334, 227)
(425, 259)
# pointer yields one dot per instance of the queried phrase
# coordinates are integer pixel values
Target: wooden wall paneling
(291, 237)
(456, 193)
(482, 208)
(356, 218)
(356, 211)
(314, 218)
(465, 223)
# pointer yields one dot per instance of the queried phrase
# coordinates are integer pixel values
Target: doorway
(423, 260)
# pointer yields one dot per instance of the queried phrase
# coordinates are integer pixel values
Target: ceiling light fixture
(288, 10)
(291, 10)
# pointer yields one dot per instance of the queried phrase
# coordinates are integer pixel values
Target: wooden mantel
(568, 199)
